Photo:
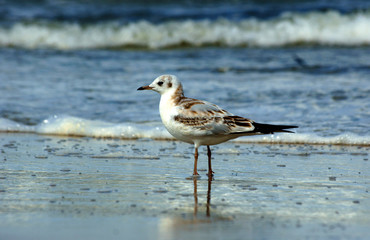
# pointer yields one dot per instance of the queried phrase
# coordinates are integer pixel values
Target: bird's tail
(261, 128)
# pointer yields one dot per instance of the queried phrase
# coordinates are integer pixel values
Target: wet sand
(85, 188)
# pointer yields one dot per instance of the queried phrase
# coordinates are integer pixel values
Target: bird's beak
(145, 88)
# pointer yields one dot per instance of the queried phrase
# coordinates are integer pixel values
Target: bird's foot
(194, 176)
(210, 174)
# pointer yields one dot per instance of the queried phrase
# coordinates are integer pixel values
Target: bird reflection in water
(208, 204)
(170, 227)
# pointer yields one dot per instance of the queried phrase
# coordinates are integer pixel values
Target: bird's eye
(160, 83)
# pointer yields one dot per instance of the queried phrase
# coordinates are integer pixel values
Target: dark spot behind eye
(169, 85)
(160, 83)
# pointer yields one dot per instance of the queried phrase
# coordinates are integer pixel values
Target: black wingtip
(270, 128)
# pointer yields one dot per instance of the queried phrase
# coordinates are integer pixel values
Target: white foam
(73, 126)
(330, 28)
(7, 125)
(308, 138)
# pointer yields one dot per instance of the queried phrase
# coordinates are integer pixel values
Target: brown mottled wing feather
(210, 118)
(203, 125)
(236, 121)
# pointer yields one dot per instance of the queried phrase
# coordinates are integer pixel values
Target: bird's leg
(195, 197)
(195, 172)
(210, 172)
(208, 212)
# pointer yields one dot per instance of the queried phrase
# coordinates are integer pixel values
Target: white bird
(199, 122)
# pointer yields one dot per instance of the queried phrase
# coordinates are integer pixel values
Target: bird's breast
(166, 110)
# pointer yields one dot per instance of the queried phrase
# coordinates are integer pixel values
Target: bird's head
(163, 84)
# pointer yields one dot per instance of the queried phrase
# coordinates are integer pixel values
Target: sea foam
(79, 127)
(315, 28)
(73, 126)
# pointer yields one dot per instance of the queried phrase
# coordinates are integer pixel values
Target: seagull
(200, 122)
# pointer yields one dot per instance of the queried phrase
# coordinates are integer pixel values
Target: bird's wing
(209, 119)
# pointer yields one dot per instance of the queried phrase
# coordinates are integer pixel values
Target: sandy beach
(88, 188)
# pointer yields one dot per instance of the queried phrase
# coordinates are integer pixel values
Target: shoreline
(238, 140)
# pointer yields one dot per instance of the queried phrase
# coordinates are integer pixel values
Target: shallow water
(89, 185)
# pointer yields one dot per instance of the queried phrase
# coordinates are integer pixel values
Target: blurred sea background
(73, 67)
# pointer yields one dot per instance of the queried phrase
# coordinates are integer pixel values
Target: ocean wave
(79, 127)
(313, 28)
